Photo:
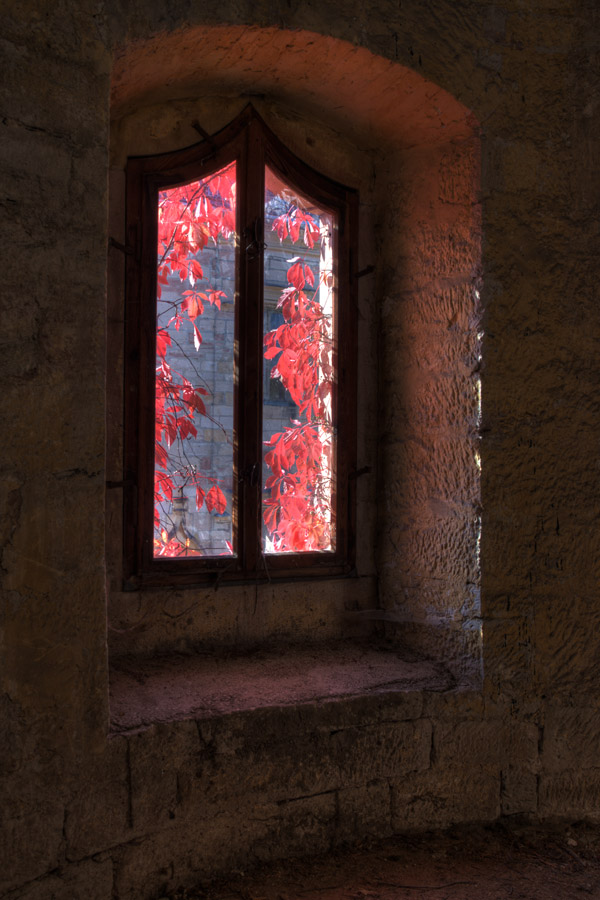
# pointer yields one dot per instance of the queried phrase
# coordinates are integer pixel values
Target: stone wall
(471, 129)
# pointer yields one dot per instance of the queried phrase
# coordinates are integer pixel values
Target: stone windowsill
(168, 689)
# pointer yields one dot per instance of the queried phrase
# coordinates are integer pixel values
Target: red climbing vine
(299, 459)
(189, 217)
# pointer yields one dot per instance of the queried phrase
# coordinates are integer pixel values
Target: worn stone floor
(500, 862)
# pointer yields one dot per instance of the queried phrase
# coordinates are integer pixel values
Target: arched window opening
(240, 363)
(416, 164)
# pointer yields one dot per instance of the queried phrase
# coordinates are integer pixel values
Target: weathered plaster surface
(92, 816)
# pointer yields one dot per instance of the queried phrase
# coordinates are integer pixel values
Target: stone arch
(368, 97)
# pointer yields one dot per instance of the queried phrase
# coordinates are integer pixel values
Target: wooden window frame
(253, 146)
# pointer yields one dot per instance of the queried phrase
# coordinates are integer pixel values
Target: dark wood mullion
(147, 364)
(251, 253)
(239, 354)
(347, 375)
(131, 473)
(240, 412)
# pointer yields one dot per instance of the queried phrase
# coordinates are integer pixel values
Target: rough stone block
(31, 842)
(570, 739)
(159, 759)
(92, 879)
(519, 792)
(509, 654)
(570, 795)
(97, 818)
(385, 707)
(297, 827)
(488, 744)
(267, 753)
(443, 797)
(453, 705)
(284, 769)
(364, 811)
(282, 753)
(210, 846)
(384, 751)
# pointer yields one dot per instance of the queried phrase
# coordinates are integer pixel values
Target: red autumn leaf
(214, 297)
(195, 271)
(199, 496)
(163, 340)
(178, 321)
(295, 274)
(311, 234)
(216, 500)
(170, 428)
(160, 454)
(187, 428)
(196, 403)
(192, 304)
(280, 226)
(163, 483)
(197, 336)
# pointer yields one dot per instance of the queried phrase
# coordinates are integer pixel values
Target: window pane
(194, 500)
(299, 330)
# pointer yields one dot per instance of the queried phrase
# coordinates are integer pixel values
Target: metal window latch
(250, 475)
(128, 251)
(127, 482)
(256, 244)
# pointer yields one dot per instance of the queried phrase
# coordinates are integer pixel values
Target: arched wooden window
(240, 380)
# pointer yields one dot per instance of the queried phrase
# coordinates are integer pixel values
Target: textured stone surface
(519, 792)
(489, 744)
(364, 812)
(213, 845)
(99, 814)
(204, 687)
(572, 795)
(560, 752)
(433, 800)
(472, 131)
(91, 879)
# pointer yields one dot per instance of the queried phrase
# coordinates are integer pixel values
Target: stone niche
(412, 151)
(331, 739)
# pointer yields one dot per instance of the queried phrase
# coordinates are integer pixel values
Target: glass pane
(194, 500)
(298, 373)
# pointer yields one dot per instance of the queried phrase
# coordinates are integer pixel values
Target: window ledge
(167, 689)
